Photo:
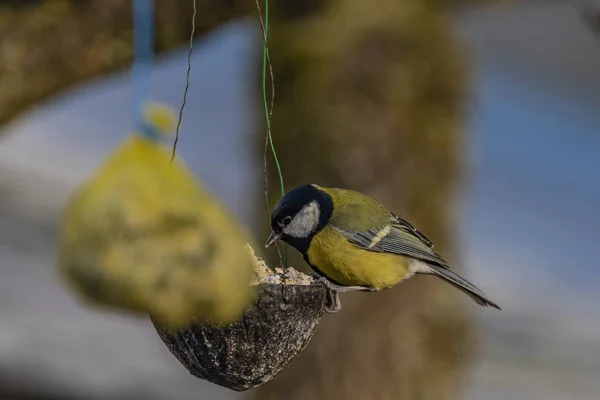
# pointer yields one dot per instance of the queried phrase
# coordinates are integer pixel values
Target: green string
(266, 106)
(264, 82)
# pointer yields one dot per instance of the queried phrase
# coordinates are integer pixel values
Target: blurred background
(477, 120)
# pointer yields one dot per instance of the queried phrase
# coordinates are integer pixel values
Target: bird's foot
(333, 303)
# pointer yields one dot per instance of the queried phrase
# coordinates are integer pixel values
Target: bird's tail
(470, 289)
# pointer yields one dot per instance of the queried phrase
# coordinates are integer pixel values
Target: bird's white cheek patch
(305, 222)
(380, 235)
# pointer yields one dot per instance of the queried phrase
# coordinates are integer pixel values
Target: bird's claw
(333, 289)
(332, 304)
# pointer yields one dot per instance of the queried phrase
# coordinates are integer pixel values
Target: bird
(354, 243)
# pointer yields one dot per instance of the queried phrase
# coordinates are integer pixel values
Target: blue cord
(143, 51)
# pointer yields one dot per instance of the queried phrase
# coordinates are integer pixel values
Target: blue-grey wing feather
(402, 239)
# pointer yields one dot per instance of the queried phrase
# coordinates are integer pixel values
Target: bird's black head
(299, 215)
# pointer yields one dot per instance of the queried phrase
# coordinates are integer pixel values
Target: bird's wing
(397, 236)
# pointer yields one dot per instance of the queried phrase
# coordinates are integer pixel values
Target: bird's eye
(285, 221)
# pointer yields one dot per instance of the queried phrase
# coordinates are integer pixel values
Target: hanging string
(143, 51)
(264, 24)
(187, 80)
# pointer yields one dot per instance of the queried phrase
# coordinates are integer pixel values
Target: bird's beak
(273, 237)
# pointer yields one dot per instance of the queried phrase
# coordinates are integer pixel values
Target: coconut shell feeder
(255, 349)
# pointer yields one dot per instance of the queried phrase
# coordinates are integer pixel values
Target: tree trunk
(369, 97)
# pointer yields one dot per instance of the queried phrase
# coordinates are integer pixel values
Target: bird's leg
(333, 299)
(321, 280)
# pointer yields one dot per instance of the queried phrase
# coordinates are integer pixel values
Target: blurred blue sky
(530, 224)
(535, 186)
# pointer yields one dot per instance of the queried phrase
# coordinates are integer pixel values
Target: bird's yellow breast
(349, 265)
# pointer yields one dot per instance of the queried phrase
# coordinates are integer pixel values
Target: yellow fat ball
(144, 235)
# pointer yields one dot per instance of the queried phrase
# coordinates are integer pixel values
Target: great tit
(353, 243)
